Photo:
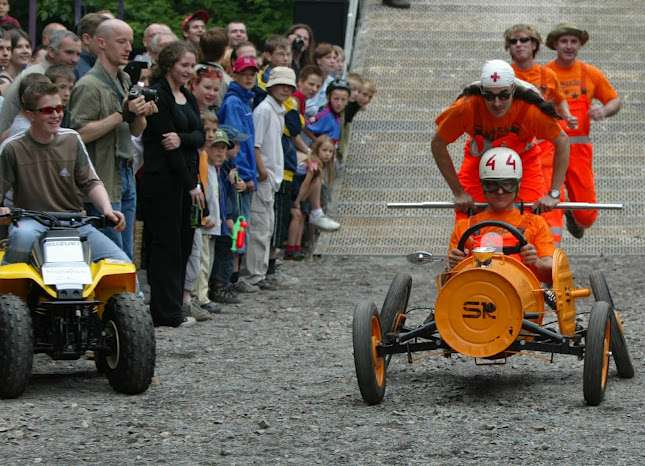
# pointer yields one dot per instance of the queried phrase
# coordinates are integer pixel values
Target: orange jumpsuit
(533, 227)
(547, 82)
(582, 83)
(516, 129)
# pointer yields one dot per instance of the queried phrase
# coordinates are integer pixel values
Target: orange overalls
(579, 180)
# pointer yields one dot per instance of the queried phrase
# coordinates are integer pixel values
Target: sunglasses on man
(490, 96)
(493, 186)
(522, 40)
(50, 110)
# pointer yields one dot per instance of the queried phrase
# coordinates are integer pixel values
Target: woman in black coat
(169, 185)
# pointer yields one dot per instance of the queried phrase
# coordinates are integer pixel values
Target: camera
(297, 45)
(147, 93)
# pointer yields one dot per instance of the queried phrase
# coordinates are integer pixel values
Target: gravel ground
(271, 381)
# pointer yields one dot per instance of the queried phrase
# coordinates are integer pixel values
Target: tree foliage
(262, 17)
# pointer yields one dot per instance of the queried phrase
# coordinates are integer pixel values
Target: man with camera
(106, 114)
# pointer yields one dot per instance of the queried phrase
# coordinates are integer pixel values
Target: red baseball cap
(244, 63)
(199, 14)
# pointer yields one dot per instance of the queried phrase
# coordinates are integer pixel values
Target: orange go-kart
(491, 306)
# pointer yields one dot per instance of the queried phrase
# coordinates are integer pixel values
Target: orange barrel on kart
(479, 310)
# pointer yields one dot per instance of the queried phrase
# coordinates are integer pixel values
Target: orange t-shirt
(469, 115)
(544, 79)
(596, 83)
(536, 230)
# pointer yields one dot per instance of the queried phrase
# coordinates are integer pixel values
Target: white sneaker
(188, 322)
(324, 223)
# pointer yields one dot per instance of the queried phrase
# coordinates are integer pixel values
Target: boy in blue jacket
(236, 111)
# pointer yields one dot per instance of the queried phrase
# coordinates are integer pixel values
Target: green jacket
(96, 96)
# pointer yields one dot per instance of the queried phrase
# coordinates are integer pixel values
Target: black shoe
(576, 230)
(224, 295)
(397, 3)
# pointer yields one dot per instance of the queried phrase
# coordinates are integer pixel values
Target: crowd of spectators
(224, 149)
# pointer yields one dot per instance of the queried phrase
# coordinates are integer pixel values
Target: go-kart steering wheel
(495, 223)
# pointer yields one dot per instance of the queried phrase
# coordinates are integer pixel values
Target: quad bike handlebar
(60, 219)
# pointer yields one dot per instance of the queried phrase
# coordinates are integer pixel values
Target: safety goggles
(493, 186)
(503, 96)
(50, 110)
(521, 40)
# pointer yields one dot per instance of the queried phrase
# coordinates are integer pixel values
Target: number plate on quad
(68, 250)
(59, 273)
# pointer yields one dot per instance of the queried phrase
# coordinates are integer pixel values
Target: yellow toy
(63, 305)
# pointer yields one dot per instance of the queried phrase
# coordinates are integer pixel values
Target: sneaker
(188, 322)
(294, 256)
(268, 285)
(281, 280)
(244, 287)
(224, 295)
(576, 230)
(195, 311)
(211, 308)
(324, 223)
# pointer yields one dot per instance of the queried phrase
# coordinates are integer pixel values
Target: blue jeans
(127, 206)
(28, 230)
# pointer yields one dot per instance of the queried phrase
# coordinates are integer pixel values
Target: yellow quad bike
(491, 306)
(63, 305)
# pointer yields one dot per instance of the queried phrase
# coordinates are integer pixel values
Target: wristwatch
(554, 193)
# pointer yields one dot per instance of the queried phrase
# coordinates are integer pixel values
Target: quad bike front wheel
(597, 348)
(16, 346)
(395, 306)
(129, 363)
(370, 367)
(619, 350)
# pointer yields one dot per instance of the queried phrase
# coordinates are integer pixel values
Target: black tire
(370, 368)
(619, 350)
(597, 348)
(395, 305)
(130, 365)
(16, 346)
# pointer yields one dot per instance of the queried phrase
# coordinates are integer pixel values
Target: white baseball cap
(496, 74)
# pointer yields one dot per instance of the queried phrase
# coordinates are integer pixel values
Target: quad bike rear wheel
(129, 364)
(395, 306)
(597, 348)
(619, 350)
(370, 367)
(16, 346)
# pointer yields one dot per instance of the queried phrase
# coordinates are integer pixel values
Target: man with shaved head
(105, 118)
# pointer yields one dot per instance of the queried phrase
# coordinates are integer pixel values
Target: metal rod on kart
(528, 205)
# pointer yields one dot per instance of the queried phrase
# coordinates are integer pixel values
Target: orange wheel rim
(377, 361)
(605, 352)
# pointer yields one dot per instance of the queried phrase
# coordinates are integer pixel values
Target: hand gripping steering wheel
(495, 223)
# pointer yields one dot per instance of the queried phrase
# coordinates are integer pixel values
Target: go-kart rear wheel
(619, 350)
(130, 363)
(370, 367)
(597, 346)
(395, 305)
(16, 346)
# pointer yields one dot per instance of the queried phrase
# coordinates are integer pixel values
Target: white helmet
(497, 74)
(500, 163)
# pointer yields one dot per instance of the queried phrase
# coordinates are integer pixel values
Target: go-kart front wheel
(129, 363)
(619, 350)
(395, 305)
(370, 367)
(16, 346)
(597, 347)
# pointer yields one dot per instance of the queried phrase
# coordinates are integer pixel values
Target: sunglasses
(50, 110)
(208, 71)
(492, 186)
(522, 40)
(489, 96)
